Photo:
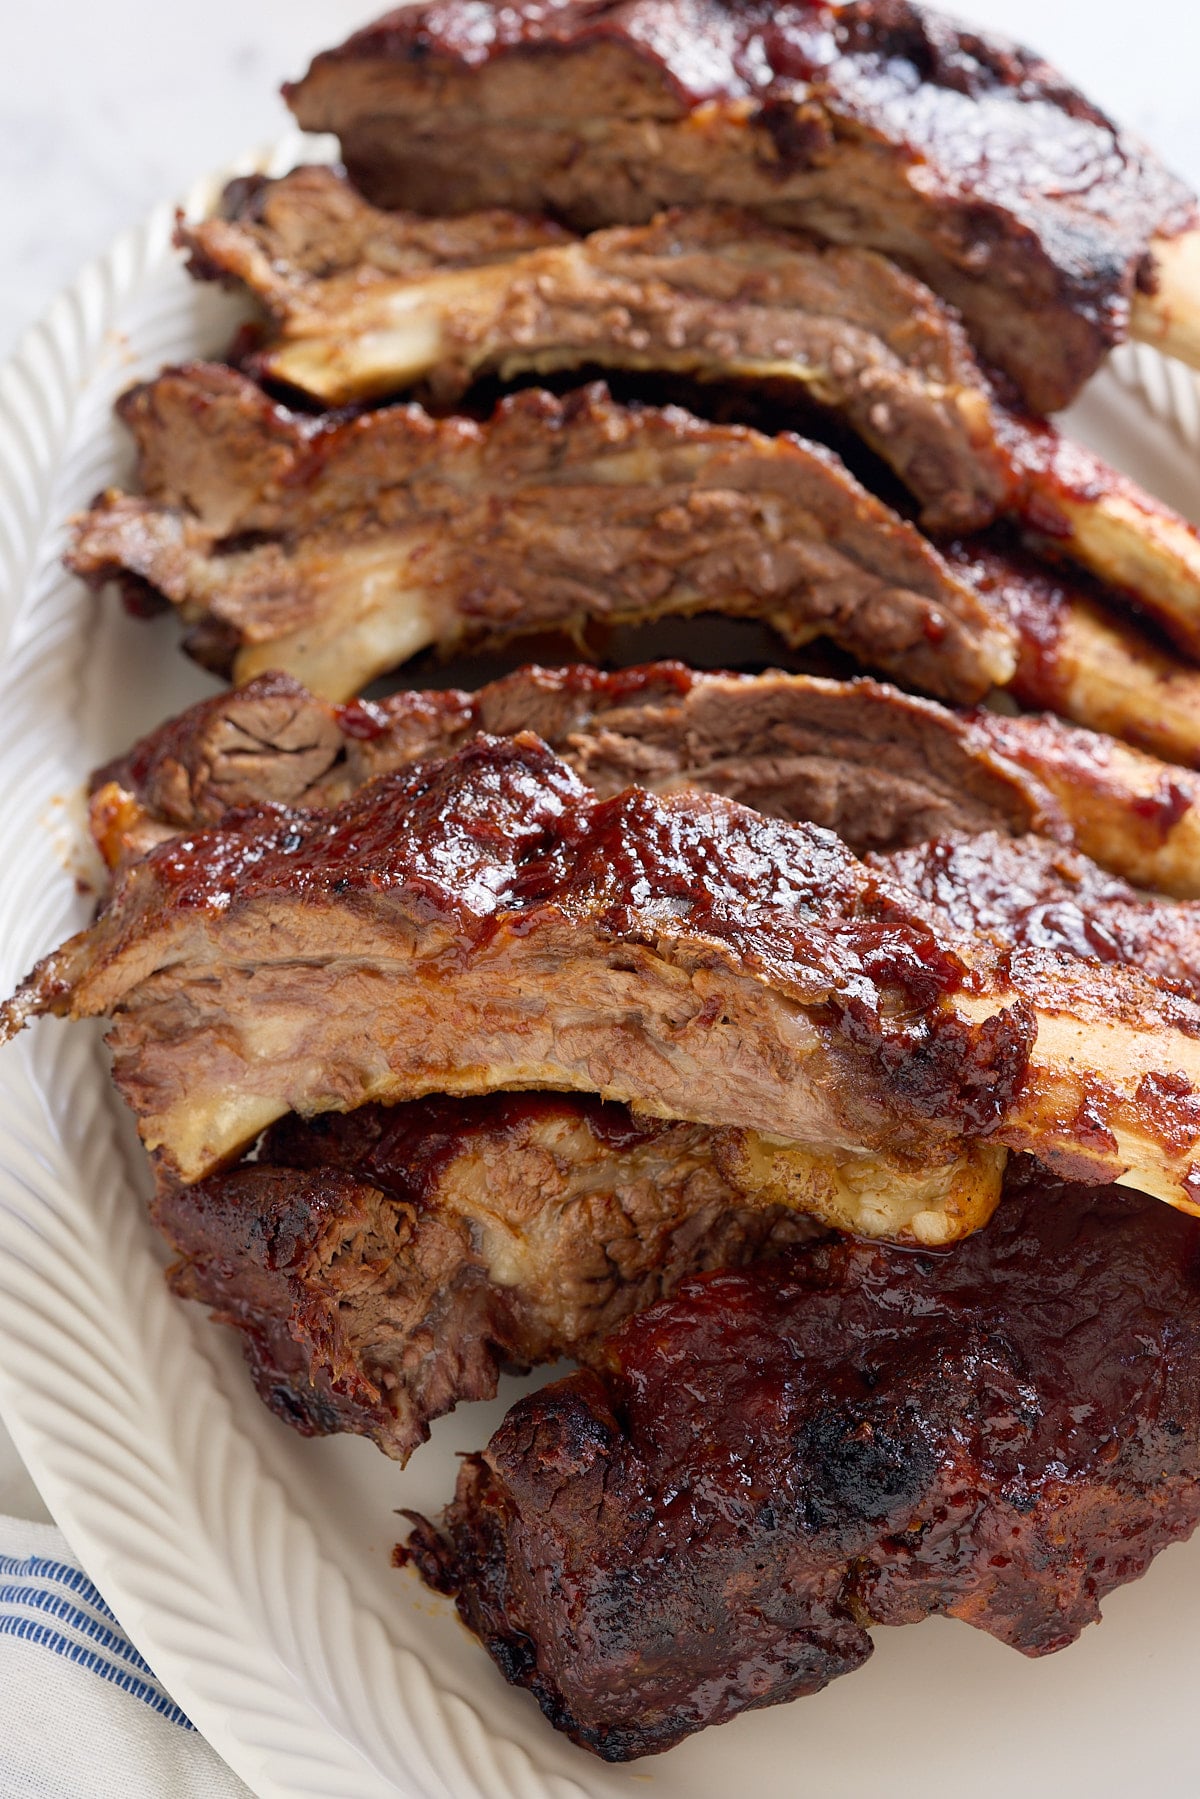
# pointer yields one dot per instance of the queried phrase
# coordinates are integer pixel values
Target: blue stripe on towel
(28, 1630)
(40, 1567)
(106, 1643)
(43, 1599)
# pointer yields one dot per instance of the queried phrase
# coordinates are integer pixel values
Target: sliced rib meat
(383, 1265)
(705, 293)
(485, 923)
(338, 550)
(285, 235)
(681, 935)
(878, 124)
(719, 296)
(772, 1462)
(877, 766)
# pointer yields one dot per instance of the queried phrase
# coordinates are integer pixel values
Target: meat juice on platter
(807, 1057)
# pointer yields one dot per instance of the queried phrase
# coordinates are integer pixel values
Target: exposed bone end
(1129, 812)
(339, 370)
(1079, 659)
(1143, 549)
(999, 653)
(1111, 677)
(51, 988)
(123, 830)
(1109, 525)
(1169, 318)
(1113, 1089)
(1144, 1177)
(341, 650)
(870, 1195)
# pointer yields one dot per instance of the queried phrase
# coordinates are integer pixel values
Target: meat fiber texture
(708, 293)
(382, 1265)
(877, 766)
(337, 549)
(714, 296)
(880, 124)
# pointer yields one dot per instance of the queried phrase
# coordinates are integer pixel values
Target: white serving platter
(251, 1567)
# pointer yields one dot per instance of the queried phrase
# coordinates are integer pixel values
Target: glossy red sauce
(503, 829)
(775, 1459)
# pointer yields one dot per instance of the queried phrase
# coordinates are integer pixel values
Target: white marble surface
(106, 109)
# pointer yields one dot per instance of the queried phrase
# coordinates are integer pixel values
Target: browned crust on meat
(1034, 894)
(879, 767)
(337, 550)
(773, 1462)
(748, 940)
(484, 923)
(603, 114)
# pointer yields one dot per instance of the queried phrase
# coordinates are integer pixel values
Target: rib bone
(721, 296)
(1168, 315)
(1080, 658)
(371, 539)
(486, 924)
(879, 123)
(1127, 811)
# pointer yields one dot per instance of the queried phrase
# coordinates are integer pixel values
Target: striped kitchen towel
(81, 1715)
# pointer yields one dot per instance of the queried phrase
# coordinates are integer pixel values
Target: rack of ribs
(881, 768)
(253, 523)
(486, 923)
(855, 1436)
(384, 1264)
(717, 296)
(877, 124)
(338, 550)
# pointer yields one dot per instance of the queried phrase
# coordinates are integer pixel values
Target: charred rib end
(47, 990)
